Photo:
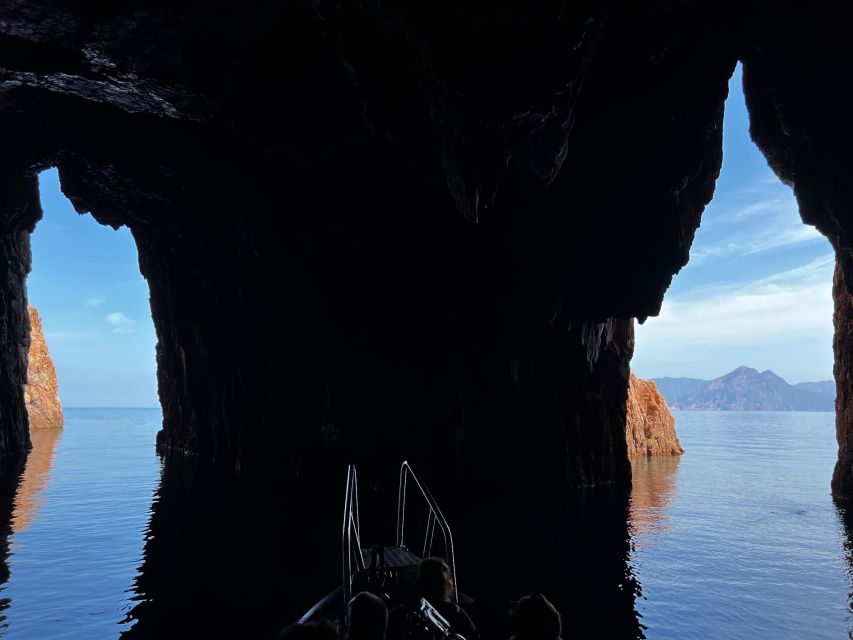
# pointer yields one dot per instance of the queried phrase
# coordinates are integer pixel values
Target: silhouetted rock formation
(650, 429)
(41, 394)
(433, 245)
(842, 345)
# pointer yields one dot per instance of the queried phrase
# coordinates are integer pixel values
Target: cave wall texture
(381, 230)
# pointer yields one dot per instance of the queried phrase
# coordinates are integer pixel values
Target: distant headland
(746, 389)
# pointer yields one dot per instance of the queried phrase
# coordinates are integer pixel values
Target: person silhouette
(366, 617)
(435, 585)
(535, 618)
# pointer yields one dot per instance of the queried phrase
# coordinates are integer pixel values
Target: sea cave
(377, 232)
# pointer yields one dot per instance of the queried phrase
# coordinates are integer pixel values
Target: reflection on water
(654, 484)
(845, 516)
(243, 556)
(576, 553)
(10, 473)
(232, 555)
(740, 542)
(30, 494)
(21, 494)
(79, 519)
(739, 538)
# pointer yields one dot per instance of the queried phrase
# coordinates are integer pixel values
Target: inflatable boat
(390, 572)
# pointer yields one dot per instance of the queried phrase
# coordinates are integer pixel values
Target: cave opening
(428, 249)
(756, 292)
(88, 480)
(742, 353)
(94, 303)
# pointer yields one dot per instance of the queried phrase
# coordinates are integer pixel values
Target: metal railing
(351, 533)
(434, 517)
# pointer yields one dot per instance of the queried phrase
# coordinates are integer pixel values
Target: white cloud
(775, 239)
(779, 309)
(772, 223)
(120, 323)
(817, 271)
(760, 216)
(768, 204)
(94, 302)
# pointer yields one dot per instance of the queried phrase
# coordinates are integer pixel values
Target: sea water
(78, 526)
(737, 538)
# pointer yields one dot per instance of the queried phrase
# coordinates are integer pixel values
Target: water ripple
(79, 523)
(741, 539)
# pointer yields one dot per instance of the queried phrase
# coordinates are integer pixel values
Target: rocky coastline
(650, 425)
(41, 393)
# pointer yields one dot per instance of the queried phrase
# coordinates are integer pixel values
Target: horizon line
(90, 406)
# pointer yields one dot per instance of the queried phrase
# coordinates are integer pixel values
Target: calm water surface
(79, 523)
(739, 538)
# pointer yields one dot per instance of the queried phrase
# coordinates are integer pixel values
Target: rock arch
(376, 231)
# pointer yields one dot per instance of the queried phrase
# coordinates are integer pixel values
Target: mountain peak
(747, 389)
(749, 372)
(740, 372)
(742, 369)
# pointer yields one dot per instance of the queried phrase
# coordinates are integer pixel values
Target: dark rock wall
(842, 345)
(14, 340)
(796, 72)
(383, 231)
(19, 203)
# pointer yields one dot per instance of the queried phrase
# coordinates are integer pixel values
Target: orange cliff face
(650, 428)
(41, 393)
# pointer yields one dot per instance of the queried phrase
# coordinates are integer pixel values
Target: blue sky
(758, 288)
(93, 301)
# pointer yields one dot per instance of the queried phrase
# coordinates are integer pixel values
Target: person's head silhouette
(535, 618)
(366, 617)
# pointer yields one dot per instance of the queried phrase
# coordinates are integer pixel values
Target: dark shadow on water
(845, 515)
(10, 475)
(242, 556)
(576, 553)
(230, 556)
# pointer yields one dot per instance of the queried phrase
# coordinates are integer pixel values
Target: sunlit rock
(41, 393)
(650, 428)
